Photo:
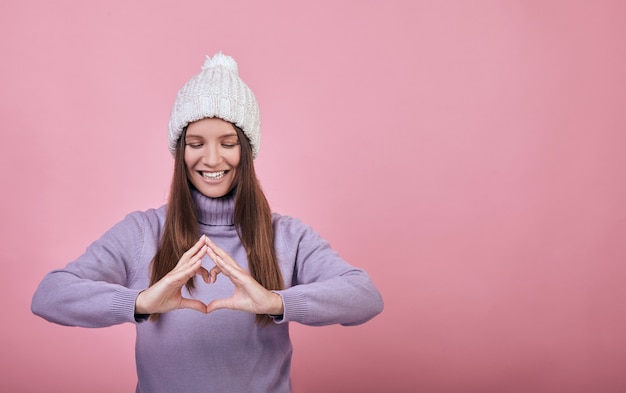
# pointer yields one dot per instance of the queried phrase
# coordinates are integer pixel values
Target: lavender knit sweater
(224, 351)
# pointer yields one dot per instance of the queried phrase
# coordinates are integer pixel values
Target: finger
(213, 274)
(197, 246)
(204, 273)
(189, 268)
(199, 255)
(219, 255)
(194, 250)
(180, 275)
(216, 258)
(229, 267)
(218, 304)
(185, 271)
(225, 268)
(194, 305)
(215, 248)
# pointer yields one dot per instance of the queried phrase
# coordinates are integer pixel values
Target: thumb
(217, 304)
(194, 305)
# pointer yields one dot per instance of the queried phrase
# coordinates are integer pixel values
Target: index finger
(215, 248)
(221, 258)
(194, 250)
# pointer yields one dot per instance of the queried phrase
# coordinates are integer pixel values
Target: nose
(211, 156)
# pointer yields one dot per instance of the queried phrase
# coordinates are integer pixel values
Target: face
(212, 154)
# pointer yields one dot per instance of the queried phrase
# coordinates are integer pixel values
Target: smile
(213, 175)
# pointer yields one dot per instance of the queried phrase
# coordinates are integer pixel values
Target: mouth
(213, 175)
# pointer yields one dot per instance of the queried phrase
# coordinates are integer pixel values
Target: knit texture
(217, 91)
(224, 351)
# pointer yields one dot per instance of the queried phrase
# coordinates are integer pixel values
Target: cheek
(234, 158)
(189, 160)
(234, 162)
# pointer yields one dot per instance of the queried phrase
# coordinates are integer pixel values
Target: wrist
(277, 308)
(139, 308)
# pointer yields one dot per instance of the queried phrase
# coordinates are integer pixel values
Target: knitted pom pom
(221, 60)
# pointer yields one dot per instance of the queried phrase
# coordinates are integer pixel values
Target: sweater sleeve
(324, 288)
(94, 290)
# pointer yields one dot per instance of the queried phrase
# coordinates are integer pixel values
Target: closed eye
(229, 145)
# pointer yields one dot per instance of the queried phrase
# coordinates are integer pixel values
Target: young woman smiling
(227, 334)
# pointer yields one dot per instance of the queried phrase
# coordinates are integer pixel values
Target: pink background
(469, 155)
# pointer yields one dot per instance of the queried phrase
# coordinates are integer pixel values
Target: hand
(165, 295)
(249, 296)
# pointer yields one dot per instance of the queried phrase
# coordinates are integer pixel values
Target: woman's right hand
(165, 295)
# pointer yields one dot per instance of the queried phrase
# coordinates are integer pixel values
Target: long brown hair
(252, 217)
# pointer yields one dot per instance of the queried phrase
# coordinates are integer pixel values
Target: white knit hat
(217, 91)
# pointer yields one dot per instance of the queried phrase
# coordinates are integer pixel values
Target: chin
(213, 192)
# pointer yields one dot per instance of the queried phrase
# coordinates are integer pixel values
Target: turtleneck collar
(215, 211)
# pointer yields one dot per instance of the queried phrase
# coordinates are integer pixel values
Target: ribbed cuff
(123, 305)
(295, 305)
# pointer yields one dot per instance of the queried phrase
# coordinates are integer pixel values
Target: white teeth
(213, 175)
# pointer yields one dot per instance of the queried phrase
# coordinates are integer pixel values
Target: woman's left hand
(249, 295)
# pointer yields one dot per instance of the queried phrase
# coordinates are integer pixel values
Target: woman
(217, 223)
